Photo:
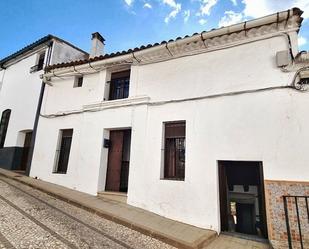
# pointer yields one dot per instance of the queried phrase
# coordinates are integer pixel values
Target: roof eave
(270, 19)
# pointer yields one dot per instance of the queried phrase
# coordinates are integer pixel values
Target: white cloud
(202, 21)
(230, 17)
(265, 7)
(260, 8)
(147, 5)
(129, 2)
(234, 2)
(301, 41)
(171, 3)
(176, 9)
(206, 6)
(186, 15)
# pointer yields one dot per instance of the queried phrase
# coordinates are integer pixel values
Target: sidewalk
(169, 231)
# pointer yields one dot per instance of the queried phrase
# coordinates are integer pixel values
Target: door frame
(223, 201)
(108, 169)
(25, 151)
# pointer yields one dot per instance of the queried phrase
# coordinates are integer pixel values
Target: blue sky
(128, 23)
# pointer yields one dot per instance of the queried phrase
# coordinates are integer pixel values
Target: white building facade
(207, 129)
(20, 88)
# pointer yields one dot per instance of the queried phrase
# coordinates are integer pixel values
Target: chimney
(97, 45)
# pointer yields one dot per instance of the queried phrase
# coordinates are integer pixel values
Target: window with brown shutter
(174, 150)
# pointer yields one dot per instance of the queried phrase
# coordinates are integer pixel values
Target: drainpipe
(37, 115)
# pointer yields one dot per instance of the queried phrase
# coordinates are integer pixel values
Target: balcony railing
(296, 210)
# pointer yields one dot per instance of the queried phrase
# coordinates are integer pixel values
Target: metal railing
(291, 201)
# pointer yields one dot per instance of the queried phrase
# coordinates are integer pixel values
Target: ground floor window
(4, 126)
(63, 151)
(174, 150)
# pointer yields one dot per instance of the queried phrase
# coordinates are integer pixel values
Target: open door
(118, 161)
(25, 152)
(242, 201)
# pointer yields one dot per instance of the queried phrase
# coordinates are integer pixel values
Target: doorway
(118, 161)
(242, 201)
(25, 152)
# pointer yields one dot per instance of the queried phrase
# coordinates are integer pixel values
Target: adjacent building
(20, 90)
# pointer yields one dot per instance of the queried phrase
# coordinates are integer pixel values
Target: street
(30, 218)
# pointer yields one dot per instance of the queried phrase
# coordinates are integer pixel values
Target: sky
(129, 23)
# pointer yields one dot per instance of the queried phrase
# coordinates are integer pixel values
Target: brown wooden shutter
(175, 129)
(175, 133)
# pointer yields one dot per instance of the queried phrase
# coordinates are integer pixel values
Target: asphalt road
(30, 218)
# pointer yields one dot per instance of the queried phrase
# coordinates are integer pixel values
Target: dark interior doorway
(25, 153)
(118, 161)
(242, 201)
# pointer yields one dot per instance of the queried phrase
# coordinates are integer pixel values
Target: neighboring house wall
(267, 126)
(20, 90)
(62, 52)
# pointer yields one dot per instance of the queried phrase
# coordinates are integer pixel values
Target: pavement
(171, 232)
(30, 218)
(46, 215)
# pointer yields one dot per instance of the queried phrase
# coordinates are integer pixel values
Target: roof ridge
(34, 44)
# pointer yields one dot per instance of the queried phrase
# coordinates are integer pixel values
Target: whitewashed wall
(269, 126)
(20, 90)
(62, 52)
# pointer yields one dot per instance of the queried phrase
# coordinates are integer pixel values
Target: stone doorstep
(190, 238)
(115, 196)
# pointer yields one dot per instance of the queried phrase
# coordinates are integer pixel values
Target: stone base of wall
(10, 158)
(276, 222)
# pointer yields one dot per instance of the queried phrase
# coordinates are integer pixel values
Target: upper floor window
(4, 126)
(78, 81)
(119, 85)
(174, 150)
(39, 63)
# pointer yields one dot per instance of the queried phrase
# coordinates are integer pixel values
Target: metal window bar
(296, 199)
(119, 88)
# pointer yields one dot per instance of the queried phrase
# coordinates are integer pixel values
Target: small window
(78, 81)
(4, 126)
(119, 85)
(63, 151)
(40, 63)
(174, 150)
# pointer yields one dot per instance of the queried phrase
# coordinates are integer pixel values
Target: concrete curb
(166, 238)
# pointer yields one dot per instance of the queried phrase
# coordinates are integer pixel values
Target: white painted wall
(20, 89)
(62, 52)
(20, 92)
(267, 126)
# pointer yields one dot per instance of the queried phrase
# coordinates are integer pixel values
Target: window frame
(121, 78)
(60, 149)
(4, 124)
(165, 156)
(77, 82)
(40, 66)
